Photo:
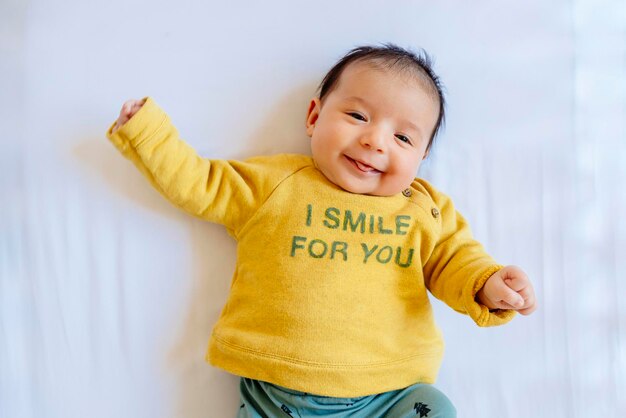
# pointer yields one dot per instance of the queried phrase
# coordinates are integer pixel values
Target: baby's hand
(508, 288)
(129, 108)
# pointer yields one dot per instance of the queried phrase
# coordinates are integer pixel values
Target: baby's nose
(373, 141)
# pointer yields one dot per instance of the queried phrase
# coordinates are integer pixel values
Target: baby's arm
(225, 192)
(461, 273)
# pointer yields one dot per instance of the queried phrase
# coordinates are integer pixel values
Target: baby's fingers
(127, 108)
(507, 296)
(530, 304)
(527, 311)
(525, 289)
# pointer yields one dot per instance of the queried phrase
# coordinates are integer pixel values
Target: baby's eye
(357, 116)
(403, 138)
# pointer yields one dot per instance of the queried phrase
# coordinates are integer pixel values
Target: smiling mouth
(362, 166)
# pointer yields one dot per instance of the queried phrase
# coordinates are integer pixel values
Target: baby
(328, 312)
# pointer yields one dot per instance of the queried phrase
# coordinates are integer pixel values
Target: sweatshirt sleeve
(225, 192)
(458, 266)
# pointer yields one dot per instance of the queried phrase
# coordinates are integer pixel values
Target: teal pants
(261, 399)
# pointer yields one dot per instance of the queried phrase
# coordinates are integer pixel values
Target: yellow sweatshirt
(329, 294)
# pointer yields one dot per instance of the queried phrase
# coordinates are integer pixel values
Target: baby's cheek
(400, 174)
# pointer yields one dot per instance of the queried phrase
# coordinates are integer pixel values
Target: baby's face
(370, 134)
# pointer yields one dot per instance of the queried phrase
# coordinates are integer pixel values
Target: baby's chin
(365, 190)
(357, 187)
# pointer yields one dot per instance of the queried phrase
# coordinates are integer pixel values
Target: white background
(108, 293)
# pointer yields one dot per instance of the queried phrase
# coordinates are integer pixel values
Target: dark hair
(392, 56)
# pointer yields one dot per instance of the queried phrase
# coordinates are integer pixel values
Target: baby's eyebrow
(412, 126)
(357, 99)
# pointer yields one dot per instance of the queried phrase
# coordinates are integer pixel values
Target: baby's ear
(312, 115)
